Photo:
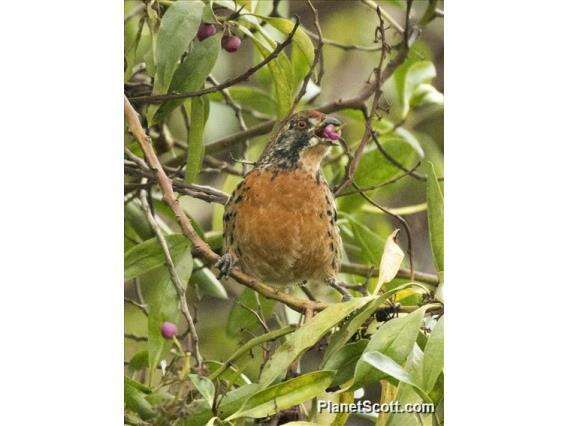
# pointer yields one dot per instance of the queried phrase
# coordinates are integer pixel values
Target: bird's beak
(330, 130)
(331, 120)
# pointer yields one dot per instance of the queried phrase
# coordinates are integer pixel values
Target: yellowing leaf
(390, 261)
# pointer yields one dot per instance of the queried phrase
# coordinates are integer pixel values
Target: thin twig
(179, 286)
(231, 82)
(342, 46)
(139, 295)
(137, 304)
(404, 224)
(231, 103)
(394, 161)
(221, 166)
(135, 337)
(371, 4)
(364, 271)
(202, 192)
(273, 335)
(317, 58)
(256, 315)
(379, 76)
(380, 185)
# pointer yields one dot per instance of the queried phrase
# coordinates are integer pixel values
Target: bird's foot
(337, 285)
(304, 287)
(225, 265)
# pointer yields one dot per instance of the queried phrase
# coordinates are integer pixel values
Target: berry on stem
(168, 330)
(205, 31)
(330, 133)
(231, 43)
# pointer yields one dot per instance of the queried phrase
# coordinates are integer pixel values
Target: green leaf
(306, 337)
(370, 243)
(401, 86)
(137, 385)
(195, 145)
(433, 361)
(280, 69)
(302, 54)
(426, 94)
(301, 39)
(207, 281)
(212, 421)
(159, 397)
(242, 319)
(178, 27)
(192, 72)
(429, 13)
(406, 394)
(232, 374)
(395, 339)
(135, 401)
(389, 367)
(199, 412)
(339, 339)
(149, 255)
(135, 220)
(235, 399)
(344, 361)
(204, 386)
(133, 29)
(162, 300)
(138, 361)
(435, 198)
(285, 395)
(251, 97)
(374, 168)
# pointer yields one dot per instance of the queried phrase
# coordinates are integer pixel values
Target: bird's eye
(302, 124)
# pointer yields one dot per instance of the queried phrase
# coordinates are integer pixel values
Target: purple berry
(231, 43)
(168, 330)
(329, 132)
(205, 30)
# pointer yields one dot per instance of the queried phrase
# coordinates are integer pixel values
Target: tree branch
(205, 193)
(242, 77)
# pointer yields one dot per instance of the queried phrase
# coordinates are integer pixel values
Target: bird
(280, 223)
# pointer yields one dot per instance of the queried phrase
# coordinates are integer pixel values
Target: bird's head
(303, 141)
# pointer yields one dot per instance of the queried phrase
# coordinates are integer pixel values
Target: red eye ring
(302, 124)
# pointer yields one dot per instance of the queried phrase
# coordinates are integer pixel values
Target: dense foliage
(210, 79)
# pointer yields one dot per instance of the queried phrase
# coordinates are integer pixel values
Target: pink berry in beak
(205, 31)
(231, 43)
(168, 330)
(329, 132)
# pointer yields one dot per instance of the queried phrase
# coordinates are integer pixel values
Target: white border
(61, 215)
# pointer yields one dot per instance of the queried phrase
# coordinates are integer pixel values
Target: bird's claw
(345, 296)
(225, 265)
